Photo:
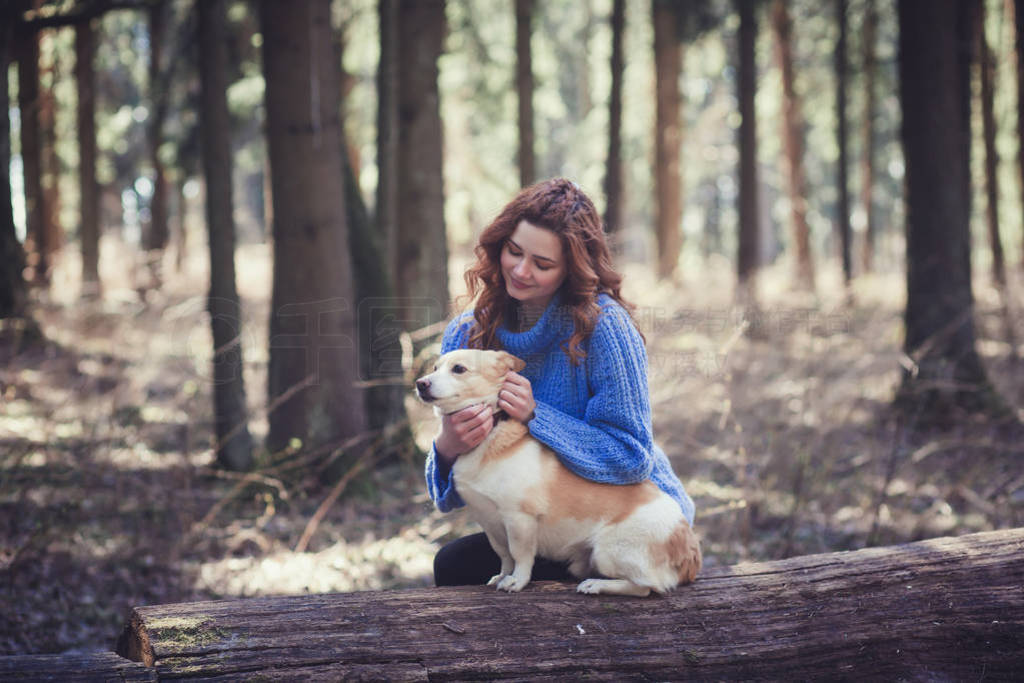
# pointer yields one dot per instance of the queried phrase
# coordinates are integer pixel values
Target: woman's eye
(544, 267)
(458, 369)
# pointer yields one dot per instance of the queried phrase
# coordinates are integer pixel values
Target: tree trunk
(1018, 22)
(421, 272)
(867, 168)
(940, 341)
(54, 239)
(158, 233)
(387, 137)
(313, 357)
(940, 609)
(668, 181)
(842, 140)
(792, 136)
(234, 445)
(748, 260)
(32, 155)
(613, 190)
(986, 62)
(524, 90)
(89, 229)
(13, 289)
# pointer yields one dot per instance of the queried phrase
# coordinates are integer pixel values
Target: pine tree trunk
(89, 230)
(387, 137)
(792, 136)
(867, 168)
(234, 444)
(158, 233)
(748, 259)
(613, 190)
(986, 61)
(54, 239)
(668, 181)
(421, 272)
(314, 361)
(524, 90)
(372, 242)
(13, 294)
(32, 154)
(947, 373)
(842, 141)
(1018, 22)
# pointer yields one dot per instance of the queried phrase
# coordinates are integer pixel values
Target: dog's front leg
(522, 544)
(499, 543)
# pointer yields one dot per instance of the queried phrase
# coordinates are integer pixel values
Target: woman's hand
(516, 397)
(463, 431)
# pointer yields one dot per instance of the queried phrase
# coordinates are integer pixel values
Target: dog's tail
(684, 553)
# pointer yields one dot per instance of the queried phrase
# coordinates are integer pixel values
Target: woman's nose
(521, 270)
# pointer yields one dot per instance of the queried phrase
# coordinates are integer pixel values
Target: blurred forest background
(231, 232)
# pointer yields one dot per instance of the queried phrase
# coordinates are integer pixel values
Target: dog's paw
(497, 579)
(590, 586)
(512, 584)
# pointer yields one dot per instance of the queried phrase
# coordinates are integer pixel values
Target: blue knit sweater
(596, 416)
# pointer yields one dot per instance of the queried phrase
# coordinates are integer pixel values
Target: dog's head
(466, 377)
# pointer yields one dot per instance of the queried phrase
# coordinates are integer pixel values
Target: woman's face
(533, 264)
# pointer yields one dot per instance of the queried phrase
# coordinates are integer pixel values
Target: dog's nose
(423, 386)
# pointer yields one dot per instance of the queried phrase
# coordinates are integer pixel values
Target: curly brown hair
(560, 206)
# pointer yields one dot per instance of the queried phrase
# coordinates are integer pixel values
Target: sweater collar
(555, 325)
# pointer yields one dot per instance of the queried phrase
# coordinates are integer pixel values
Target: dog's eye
(458, 369)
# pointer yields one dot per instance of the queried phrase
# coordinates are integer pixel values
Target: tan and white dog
(634, 537)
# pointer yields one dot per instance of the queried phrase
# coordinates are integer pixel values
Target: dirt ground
(108, 497)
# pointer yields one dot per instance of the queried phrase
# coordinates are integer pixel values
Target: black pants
(470, 561)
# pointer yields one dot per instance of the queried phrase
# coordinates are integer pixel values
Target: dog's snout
(423, 388)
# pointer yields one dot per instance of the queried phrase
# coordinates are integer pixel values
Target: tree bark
(842, 141)
(1018, 22)
(986, 63)
(51, 162)
(947, 373)
(792, 136)
(387, 137)
(613, 190)
(524, 90)
(32, 155)
(867, 168)
(942, 609)
(158, 234)
(73, 668)
(373, 247)
(421, 272)
(13, 289)
(748, 259)
(89, 228)
(314, 361)
(668, 181)
(234, 444)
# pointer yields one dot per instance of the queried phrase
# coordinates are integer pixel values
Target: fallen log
(950, 608)
(90, 666)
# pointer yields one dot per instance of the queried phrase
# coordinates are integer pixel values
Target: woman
(545, 291)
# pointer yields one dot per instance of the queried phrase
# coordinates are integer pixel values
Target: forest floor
(108, 497)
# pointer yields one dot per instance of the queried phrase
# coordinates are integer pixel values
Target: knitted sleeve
(440, 481)
(613, 442)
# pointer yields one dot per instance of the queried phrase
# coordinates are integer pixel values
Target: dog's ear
(511, 362)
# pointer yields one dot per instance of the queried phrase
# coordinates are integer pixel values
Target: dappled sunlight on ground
(776, 419)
